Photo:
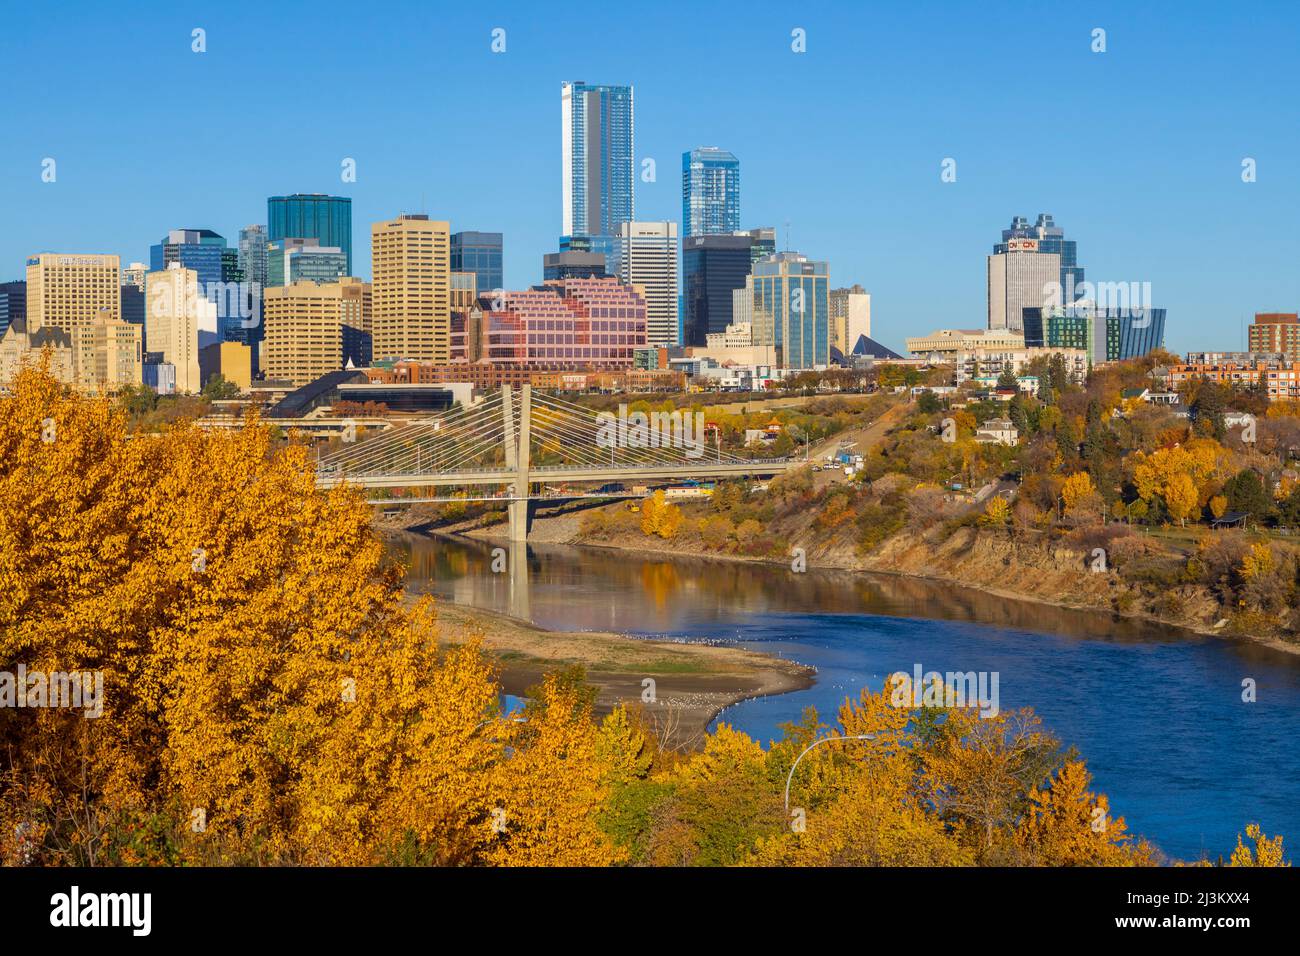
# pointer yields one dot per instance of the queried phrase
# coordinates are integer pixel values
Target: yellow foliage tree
(1267, 852)
(660, 517)
(1068, 826)
(1077, 488)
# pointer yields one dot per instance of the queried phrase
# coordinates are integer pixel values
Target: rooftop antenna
(787, 235)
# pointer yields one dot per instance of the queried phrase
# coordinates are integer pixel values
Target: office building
(327, 219)
(713, 267)
(1047, 239)
(411, 263)
(792, 309)
(481, 254)
(1019, 278)
(178, 322)
(850, 318)
(133, 275)
(233, 361)
(313, 329)
(649, 262)
(573, 264)
(710, 192)
(69, 291)
(13, 303)
(597, 156)
(1271, 332)
(303, 260)
(570, 324)
(220, 280)
(1107, 335)
(252, 254)
(107, 354)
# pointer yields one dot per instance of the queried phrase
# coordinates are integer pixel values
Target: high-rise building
(327, 219)
(481, 254)
(134, 275)
(710, 192)
(313, 329)
(178, 322)
(411, 262)
(570, 324)
(69, 291)
(1019, 278)
(220, 279)
(1271, 332)
(649, 261)
(572, 264)
(297, 260)
(792, 309)
(1048, 239)
(598, 158)
(712, 268)
(252, 254)
(13, 303)
(850, 317)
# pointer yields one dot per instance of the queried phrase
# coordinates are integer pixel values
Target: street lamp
(816, 743)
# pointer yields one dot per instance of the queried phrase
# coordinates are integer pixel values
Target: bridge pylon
(518, 441)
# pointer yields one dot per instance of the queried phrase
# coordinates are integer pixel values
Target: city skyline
(843, 206)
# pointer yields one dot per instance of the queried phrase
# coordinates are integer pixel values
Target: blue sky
(1137, 151)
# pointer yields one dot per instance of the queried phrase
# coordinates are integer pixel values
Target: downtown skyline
(879, 214)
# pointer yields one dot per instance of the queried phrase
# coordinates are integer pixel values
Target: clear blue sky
(1136, 151)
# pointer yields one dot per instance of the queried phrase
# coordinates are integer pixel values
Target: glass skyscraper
(792, 309)
(1049, 238)
(598, 158)
(302, 260)
(13, 304)
(710, 192)
(1108, 335)
(327, 219)
(481, 254)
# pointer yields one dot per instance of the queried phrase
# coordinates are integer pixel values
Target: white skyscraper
(1020, 278)
(649, 260)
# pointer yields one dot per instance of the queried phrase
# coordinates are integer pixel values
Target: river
(1157, 713)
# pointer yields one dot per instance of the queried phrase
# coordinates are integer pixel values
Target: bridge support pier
(521, 519)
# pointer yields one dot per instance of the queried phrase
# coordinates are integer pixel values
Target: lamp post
(816, 743)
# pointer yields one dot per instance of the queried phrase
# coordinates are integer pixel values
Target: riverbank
(1051, 576)
(692, 683)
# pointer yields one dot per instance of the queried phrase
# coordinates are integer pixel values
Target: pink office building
(561, 324)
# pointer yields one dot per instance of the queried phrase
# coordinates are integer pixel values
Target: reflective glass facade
(1051, 239)
(598, 159)
(1109, 335)
(481, 254)
(792, 309)
(327, 219)
(710, 192)
(712, 268)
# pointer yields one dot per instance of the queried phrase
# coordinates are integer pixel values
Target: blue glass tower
(327, 219)
(481, 254)
(598, 158)
(1051, 239)
(710, 192)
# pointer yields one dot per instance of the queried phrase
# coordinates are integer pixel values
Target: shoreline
(1270, 643)
(692, 682)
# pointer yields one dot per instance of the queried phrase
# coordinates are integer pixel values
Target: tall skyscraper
(713, 267)
(176, 318)
(710, 192)
(252, 254)
(792, 309)
(649, 260)
(327, 219)
(598, 158)
(313, 329)
(69, 291)
(1049, 239)
(411, 262)
(1019, 279)
(219, 276)
(481, 254)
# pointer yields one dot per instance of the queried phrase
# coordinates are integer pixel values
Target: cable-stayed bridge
(514, 440)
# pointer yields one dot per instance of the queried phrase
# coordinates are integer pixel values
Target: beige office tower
(107, 353)
(134, 275)
(174, 315)
(648, 259)
(850, 317)
(310, 327)
(1021, 278)
(70, 291)
(411, 261)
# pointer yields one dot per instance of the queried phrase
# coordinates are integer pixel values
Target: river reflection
(1156, 711)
